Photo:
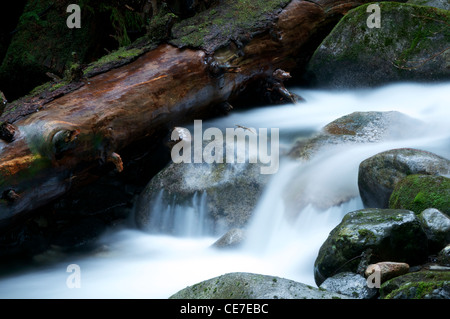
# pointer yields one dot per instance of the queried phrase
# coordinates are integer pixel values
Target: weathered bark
(53, 149)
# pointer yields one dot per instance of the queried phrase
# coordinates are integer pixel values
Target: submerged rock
(229, 192)
(241, 285)
(390, 234)
(350, 284)
(379, 174)
(233, 238)
(419, 192)
(336, 138)
(356, 128)
(411, 44)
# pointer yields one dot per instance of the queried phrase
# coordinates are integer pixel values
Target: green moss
(117, 55)
(411, 38)
(42, 43)
(49, 86)
(420, 198)
(414, 285)
(41, 88)
(232, 19)
(367, 234)
(122, 21)
(158, 27)
(419, 192)
(416, 290)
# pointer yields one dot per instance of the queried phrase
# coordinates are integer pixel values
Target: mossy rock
(418, 285)
(410, 45)
(419, 192)
(43, 43)
(390, 234)
(379, 174)
(226, 193)
(444, 256)
(440, 4)
(253, 286)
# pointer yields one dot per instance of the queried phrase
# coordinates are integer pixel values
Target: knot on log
(3, 99)
(278, 77)
(10, 195)
(116, 160)
(216, 69)
(62, 141)
(7, 132)
(281, 75)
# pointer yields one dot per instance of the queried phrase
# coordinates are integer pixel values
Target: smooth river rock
(378, 175)
(390, 234)
(240, 285)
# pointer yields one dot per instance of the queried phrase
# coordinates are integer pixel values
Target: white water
(134, 264)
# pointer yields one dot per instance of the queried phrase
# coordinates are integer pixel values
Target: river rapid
(130, 263)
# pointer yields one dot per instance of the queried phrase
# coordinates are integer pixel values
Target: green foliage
(157, 28)
(42, 43)
(122, 20)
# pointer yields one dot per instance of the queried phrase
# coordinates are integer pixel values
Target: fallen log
(50, 151)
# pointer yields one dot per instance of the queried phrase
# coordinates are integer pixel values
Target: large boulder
(221, 194)
(419, 192)
(253, 286)
(411, 44)
(233, 238)
(389, 234)
(337, 138)
(444, 256)
(358, 128)
(379, 174)
(437, 227)
(42, 42)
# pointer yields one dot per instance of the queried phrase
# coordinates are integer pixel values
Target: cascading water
(177, 252)
(180, 220)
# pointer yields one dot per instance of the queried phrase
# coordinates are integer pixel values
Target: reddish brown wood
(56, 146)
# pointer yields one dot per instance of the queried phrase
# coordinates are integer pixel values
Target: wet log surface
(54, 149)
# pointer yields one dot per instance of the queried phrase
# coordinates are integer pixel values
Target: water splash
(180, 220)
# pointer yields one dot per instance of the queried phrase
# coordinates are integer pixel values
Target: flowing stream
(132, 264)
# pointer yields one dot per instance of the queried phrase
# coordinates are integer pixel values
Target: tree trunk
(50, 151)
